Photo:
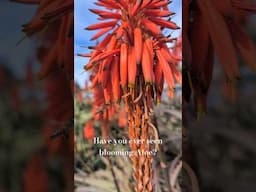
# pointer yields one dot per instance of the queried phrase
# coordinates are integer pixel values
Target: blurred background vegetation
(223, 141)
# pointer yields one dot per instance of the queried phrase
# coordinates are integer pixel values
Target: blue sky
(83, 18)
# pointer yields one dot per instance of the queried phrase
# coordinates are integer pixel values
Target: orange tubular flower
(89, 130)
(131, 62)
(217, 26)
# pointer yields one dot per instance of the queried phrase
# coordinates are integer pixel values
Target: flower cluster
(209, 28)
